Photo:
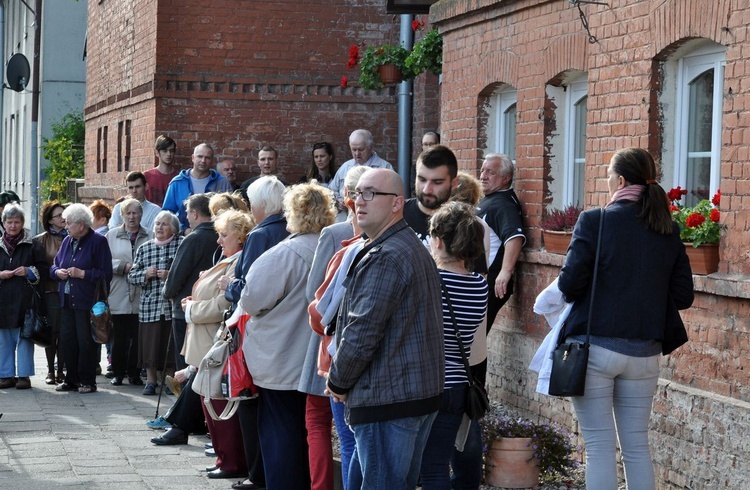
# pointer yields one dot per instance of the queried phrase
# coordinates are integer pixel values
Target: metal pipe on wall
(405, 101)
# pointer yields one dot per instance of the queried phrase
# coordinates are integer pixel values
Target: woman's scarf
(629, 193)
(164, 242)
(11, 241)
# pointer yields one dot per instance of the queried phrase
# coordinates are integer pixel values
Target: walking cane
(164, 370)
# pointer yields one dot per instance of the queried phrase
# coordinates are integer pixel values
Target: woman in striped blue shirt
(456, 240)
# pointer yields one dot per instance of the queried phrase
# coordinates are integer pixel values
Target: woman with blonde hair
(222, 201)
(278, 334)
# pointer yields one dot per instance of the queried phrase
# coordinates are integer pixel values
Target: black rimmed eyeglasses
(370, 195)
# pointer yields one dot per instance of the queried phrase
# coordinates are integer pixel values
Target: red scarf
(11, 241)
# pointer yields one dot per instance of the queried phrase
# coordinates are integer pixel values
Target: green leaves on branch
(65, 154)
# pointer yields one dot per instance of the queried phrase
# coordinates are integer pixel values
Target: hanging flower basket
(704, 259)
(390, 74)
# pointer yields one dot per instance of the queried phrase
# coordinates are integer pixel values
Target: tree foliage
(65, 154)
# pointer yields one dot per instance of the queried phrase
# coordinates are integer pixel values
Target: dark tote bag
(35, 327)
(571, 359)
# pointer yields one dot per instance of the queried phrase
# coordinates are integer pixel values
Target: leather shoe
(224, 474)
(209, 469)
(172, 437)
(208, 445)
(116, 381)
(248, 486)
(210, 452)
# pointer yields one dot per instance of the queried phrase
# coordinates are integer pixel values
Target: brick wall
(701, 412)
(236, 76)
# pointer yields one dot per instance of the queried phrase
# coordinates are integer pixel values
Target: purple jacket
(93, 256)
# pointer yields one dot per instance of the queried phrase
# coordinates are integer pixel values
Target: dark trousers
(179, 326)
(78, 347)
(283, 439)
(52, 302)
(226, 438)
(125, 345)
(186, 413)
(248, 417)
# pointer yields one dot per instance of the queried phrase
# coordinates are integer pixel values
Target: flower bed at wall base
(553, 446)
(698, 224)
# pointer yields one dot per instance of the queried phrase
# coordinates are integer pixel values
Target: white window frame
(689, 67)
(504, 101)
(575, 92)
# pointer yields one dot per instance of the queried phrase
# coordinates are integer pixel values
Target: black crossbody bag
(571, 359)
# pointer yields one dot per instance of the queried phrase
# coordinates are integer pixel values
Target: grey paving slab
(51, 440)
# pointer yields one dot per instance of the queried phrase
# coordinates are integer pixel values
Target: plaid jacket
(153, 304)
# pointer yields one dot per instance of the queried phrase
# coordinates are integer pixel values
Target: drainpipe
(2, 98)
(405, 89)
(35, 75)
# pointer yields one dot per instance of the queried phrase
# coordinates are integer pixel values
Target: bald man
(390, 322)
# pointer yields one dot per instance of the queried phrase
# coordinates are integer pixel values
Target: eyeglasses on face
(370, 195)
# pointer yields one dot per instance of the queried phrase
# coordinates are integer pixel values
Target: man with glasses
(390, 323)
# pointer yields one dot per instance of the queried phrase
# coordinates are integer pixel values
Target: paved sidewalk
(51, 440)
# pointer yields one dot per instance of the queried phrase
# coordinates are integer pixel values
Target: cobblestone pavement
(51, 440)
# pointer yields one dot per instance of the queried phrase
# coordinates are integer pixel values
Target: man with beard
(437, 169)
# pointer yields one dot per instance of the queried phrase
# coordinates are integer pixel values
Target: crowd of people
(365, 307)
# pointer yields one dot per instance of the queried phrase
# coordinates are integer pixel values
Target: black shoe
(116, 381)
(172, 437)
(209, 469)
(224, 474)
(109, 375)
(135, 381)
(64, 386)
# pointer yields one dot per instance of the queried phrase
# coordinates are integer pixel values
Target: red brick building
(521, 77)
(234, 74)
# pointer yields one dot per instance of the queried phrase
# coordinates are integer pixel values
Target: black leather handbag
(570, 360)
(35, 327)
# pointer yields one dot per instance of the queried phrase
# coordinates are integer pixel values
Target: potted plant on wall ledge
(518, 452)
(700, 230)
(557, 228)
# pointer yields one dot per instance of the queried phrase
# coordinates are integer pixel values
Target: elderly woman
(149, 270)
(124, 241)
(265, 196)
(83, 266)
(22, 263)
(54, 232)
(204, 310)
(278, 333)
(221, 201)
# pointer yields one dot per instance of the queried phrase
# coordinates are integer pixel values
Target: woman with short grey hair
(22, 262)
(83, 266)
(149, 271)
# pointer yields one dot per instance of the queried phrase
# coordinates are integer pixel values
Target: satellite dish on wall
(18, 72)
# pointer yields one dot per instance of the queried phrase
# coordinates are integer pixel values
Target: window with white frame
(501, 130)
(697, 122)
(567, 141)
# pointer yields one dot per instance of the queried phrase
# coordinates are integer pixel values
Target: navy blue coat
(644, 277)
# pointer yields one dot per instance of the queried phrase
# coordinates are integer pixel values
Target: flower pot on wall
(556, 242)
(390, 74)
(511, 464)
(704, 259)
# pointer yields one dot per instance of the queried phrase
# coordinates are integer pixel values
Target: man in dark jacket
(196, 253)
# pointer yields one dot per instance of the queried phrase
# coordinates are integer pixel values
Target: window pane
(579, 151)
(699, 137)
(699, 117)
(509, 138)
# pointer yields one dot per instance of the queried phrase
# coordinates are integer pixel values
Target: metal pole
(35, 74)
(405, 89)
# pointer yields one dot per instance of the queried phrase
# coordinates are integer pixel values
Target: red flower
(351, 63)
(344, 81)
(714, 216)
(717, 198)
(673, 208)
(676, 193)
(354, 52)
(416, 25)
(694, 220)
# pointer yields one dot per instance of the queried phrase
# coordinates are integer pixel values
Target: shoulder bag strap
(596, 274)
(458, 332)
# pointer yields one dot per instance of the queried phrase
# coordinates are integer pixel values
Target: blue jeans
(388, 454)
(435, 470)
(619, 393)
(13, 347)
(346, 439)
(467, 464)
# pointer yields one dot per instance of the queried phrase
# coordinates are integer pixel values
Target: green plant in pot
(376, 56)
(551, 447)
(427, 54)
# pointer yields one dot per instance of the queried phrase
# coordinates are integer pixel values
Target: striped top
(469, 295)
